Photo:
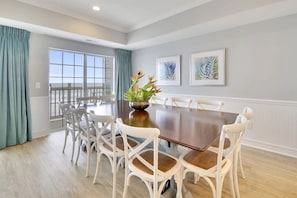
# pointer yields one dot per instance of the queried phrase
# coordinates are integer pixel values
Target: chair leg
(185, 191)
(240, 164)
(220, 182)
(114, 176)
(125, 190)
(89, 150)
(219, 187)
(97, 168)
(65, 140)
(179, 182)
(78, 150)
(126, 180)
(231, 183)
(212, 187)
(155, 190)
(73, 145)
(168, 144)
(235, 176)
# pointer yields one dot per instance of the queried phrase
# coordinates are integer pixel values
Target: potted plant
(139, 97)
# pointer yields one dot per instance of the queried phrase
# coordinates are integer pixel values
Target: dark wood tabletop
(193, 128)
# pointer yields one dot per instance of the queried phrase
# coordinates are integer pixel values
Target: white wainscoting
(274, 127)
(40, 116)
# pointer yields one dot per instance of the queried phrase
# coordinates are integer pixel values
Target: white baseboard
(270, 147)
(40, 134)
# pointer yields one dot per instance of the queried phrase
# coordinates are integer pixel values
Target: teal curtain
(15, 110)
(123, 64)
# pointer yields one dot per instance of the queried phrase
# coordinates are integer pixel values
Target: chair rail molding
(274, 127)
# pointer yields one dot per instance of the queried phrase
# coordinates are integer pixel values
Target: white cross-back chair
(84, 101)
(181, 102)
(210, 105)
(109, 144)
(106, 98)
(248, 113)
(86, 133)
(216, 164)
(68, 126)
(154, 168)
(159, 100)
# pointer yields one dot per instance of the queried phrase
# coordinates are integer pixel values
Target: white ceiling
(121, 15)
(134, 24)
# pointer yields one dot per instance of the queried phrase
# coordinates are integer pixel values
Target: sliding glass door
(77, 74)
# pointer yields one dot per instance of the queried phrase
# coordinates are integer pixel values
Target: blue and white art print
(208, 68)
(168, 70)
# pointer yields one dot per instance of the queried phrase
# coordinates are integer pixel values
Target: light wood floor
(38, 169)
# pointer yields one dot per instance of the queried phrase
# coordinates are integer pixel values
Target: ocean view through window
(77, 74)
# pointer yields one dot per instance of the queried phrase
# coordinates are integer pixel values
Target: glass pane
(90, 81)
(68, 58)
(90, 60)
(98, 61)
(55, 70)
(99, 82)
(55, 82)
(79, 71)
(55, 56)
(98, 72)
(79, 82)
(68, 71)
(79, 59)
(67, 80)
(90, 72)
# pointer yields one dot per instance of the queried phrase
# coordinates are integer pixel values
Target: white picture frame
(207, 68)
(168, 70)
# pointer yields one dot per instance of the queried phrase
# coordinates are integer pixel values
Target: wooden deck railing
(69, 94)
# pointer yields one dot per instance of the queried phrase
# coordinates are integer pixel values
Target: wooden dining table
(193, 128)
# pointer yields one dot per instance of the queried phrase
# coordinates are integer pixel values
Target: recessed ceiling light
(96, 8)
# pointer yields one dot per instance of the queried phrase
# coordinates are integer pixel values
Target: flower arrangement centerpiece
(139, 96)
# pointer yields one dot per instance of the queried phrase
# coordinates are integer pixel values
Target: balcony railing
(69, 94)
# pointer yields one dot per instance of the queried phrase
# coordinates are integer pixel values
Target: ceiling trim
(53, 24)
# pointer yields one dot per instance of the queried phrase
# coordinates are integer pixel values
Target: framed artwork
(168, 70)
(208, 68)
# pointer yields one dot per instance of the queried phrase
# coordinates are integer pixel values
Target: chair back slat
(158, 100)
(106, 98)
(80, 121)
(210, 105)
(150, 135)
(234, 133)
(65, 107)
(104, 126)
(248, 112)
(181, 102)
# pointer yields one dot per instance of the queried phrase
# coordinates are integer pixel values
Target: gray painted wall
(38, 73)
(260, 60)
(38, 58)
